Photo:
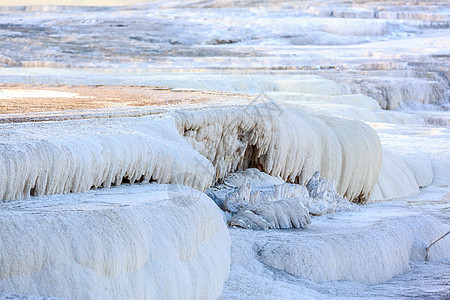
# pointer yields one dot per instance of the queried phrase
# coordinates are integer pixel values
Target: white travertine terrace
(140, 242)
(286, 142)
(385, 63)
(192, 147)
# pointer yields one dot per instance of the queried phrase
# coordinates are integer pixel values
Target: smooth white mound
(286, 142)
(396, 179)
(139, 242)
(413, 156)
(75, 156)
(368, 246)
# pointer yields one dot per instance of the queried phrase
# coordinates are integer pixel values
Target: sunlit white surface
(145, 241)
(336, 59)
(193, 147)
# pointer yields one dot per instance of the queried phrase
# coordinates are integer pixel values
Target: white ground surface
(338, 59)
(356, 241)
(142, 241)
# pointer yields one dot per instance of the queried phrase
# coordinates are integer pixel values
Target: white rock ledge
(368, 246)
(192, 147)
(138, 242)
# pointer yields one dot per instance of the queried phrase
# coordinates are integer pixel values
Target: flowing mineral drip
(286, 142)
(78, 155)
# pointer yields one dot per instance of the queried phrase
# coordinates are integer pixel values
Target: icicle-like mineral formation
(254, 205)
(191, 147)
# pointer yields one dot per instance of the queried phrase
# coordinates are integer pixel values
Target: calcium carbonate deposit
(265, 202)
(147, 241)
(321, 170)
(84, 154)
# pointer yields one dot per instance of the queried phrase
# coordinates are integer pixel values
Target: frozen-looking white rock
(75, 156)
(255, 200)
(289, 143)
(137, 242)
(323, 197)
(269, 207)
(281, 214)
(257, 205)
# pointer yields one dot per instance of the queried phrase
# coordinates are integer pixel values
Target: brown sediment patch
(32, 102)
